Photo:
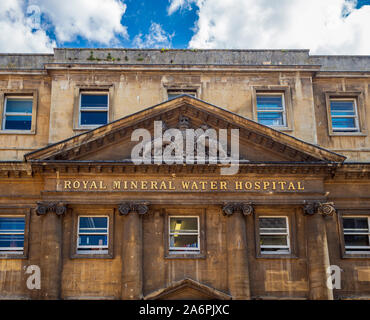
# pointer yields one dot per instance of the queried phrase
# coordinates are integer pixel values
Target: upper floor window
(344, 116)
(93, 108)
(184, 236)
(271, 109)
(356, 231)
(12, 235)
(274, 235)
(18, 113)
(173, 93)
(92, 235)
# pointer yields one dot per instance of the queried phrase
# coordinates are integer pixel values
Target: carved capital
(324, 209)
(245, 208)
(58, 208)
(140, 208)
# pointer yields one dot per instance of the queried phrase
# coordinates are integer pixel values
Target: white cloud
(285, 24)
(94, 20)
(16, 32)
(156, 38)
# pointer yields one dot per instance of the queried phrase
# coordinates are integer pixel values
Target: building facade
(76, 210)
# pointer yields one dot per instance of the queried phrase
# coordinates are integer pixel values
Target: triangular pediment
(187, 289)
(112, 142)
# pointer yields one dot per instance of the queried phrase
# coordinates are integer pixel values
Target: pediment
(187, 289)
(112, 142)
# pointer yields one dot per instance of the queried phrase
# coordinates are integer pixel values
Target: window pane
(342, 108)
(184, 225)
(271, 118)
(94, 101)
(272, 240)
(270, 102)
(272, 223)
(173, 95)
(355, 223)
(342, 123)
(94, 117)
(19, 105)
(11, 241)
(93, 240)
(10, 224)
(18, 122)
(184, 241)
(356, 240)
(93, 222)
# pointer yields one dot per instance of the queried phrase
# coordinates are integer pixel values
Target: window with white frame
(184, 235)
(12, 235)
(173, 93)
(271, 109)
(344, 117)
(17, 113)
(93, 108)
(274, 235)
(356, 231)
(92, 235)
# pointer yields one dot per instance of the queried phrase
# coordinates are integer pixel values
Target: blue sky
(324, 27)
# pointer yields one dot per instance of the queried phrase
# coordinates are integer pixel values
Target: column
(132, 250)
(317, 250)
(237, 259)
(51, 249)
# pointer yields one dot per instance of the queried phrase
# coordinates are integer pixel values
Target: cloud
(156, 38)
(94, 20)
(17, 33)
(324, 27)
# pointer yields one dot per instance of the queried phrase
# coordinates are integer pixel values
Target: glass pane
(271, 118)
(270, 102)
(19, 105)
(355, 223)
(342, 123)
(352, 240)
(94, 100)
(173, 95)
(18, 122)
(10, 224)
(94, 117)
(11, 240)
(342, 108)
(272, 223)
(94, 222)
(184, 225)
(184, 241)
(93, 240)
(272, 240)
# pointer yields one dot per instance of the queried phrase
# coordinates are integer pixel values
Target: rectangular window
(274, 235)
(12, 235)
(18, 113)
(92, 235)
(93, 108)
(184, 235)
(356, 231)
(344, 115)
(271, 109)
(173, 93)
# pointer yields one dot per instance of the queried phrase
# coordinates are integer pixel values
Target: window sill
(348, 134)
(185, 256)
(276, 256)
(25, 132)
(92, 256)
(13, 256)
(356, 255)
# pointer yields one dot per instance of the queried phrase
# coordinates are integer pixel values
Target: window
(93, 108)
(271, 109)
(184, 235)
(344, 115)
(92, 235)
(274, 235)
(17, 113)
(173, 93)
(12, 231)
(356, 231)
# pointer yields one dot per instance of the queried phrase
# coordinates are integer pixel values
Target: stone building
(77, 210)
